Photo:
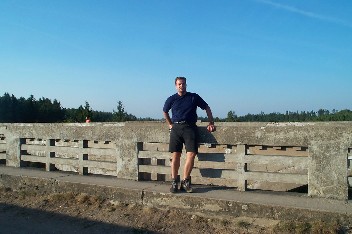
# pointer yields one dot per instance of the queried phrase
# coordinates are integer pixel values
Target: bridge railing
(245, 167)
(311, 157)
(81, 156)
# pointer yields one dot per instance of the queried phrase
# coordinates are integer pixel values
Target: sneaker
(186, 186)
(174, 186)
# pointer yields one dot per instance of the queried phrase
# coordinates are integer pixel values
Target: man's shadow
(199, 188)
(207, 138)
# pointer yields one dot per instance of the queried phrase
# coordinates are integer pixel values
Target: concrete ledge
(207, 201)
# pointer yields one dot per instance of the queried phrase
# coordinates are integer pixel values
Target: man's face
(181, 86)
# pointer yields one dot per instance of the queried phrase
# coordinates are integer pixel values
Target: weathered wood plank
(276, 168)
(30, 158)
(2, 155)
(71, 162)
(3, 147)
(101, 158)
(102, 144)
(215, 148)
(154, 154)
(282, 150)
(214, 181)
(200, 164)
(301, 162)
(154, 169)
(211, 157)
(64, 161)
(147, 146)
(214, 173)
(277, 147)
(202, 148)
(229, 161)
(99, 151)
(200, 180)
(276, 177)
(69, 150)
(98, 164)
(217, 157)
(215, 165)
(210, 173)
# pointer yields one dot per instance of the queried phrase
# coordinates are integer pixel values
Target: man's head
(180, 84)
(180, 78)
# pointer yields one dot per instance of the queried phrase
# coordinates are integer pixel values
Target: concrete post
(49, 154)
(127, 159)
(13, 151)
(82, 157)
(327, 173)
(241, 168)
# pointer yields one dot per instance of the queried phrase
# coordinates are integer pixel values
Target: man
(183, 130)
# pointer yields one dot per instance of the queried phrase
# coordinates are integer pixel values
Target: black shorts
(184, 134)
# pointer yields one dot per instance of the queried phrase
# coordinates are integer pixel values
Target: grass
(225, 222)
(243, 224)
(317, 227)
(81, 198)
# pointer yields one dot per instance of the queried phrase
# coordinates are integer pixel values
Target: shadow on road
(15, 219)
(208, 188)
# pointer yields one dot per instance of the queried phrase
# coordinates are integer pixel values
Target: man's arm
(211, 127)
(168, 119)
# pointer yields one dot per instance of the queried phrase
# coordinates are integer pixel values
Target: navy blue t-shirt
(184, 108)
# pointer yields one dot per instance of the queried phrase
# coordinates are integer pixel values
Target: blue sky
(242, 55)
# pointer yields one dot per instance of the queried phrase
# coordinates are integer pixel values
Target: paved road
(14, 219)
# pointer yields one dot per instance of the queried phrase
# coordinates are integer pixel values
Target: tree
(5, 108)
(231, 116)
(83, 112)
(48, 111)
(120, 115)
(31, 109)
(87, 110)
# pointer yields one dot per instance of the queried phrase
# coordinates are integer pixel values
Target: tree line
(289, 116)
(44, 110)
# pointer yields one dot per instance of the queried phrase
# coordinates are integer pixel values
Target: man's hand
(211, 127)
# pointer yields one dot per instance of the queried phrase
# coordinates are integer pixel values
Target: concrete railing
(315, 157)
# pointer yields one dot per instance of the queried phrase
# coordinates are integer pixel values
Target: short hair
(180, 78)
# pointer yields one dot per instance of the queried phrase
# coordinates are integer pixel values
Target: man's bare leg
(189, 165)
(175, 164)
(186, 182)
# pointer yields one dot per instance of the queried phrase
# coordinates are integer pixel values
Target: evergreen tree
(5, 109)
(31, 109)
(120, 115)
(231, 116)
